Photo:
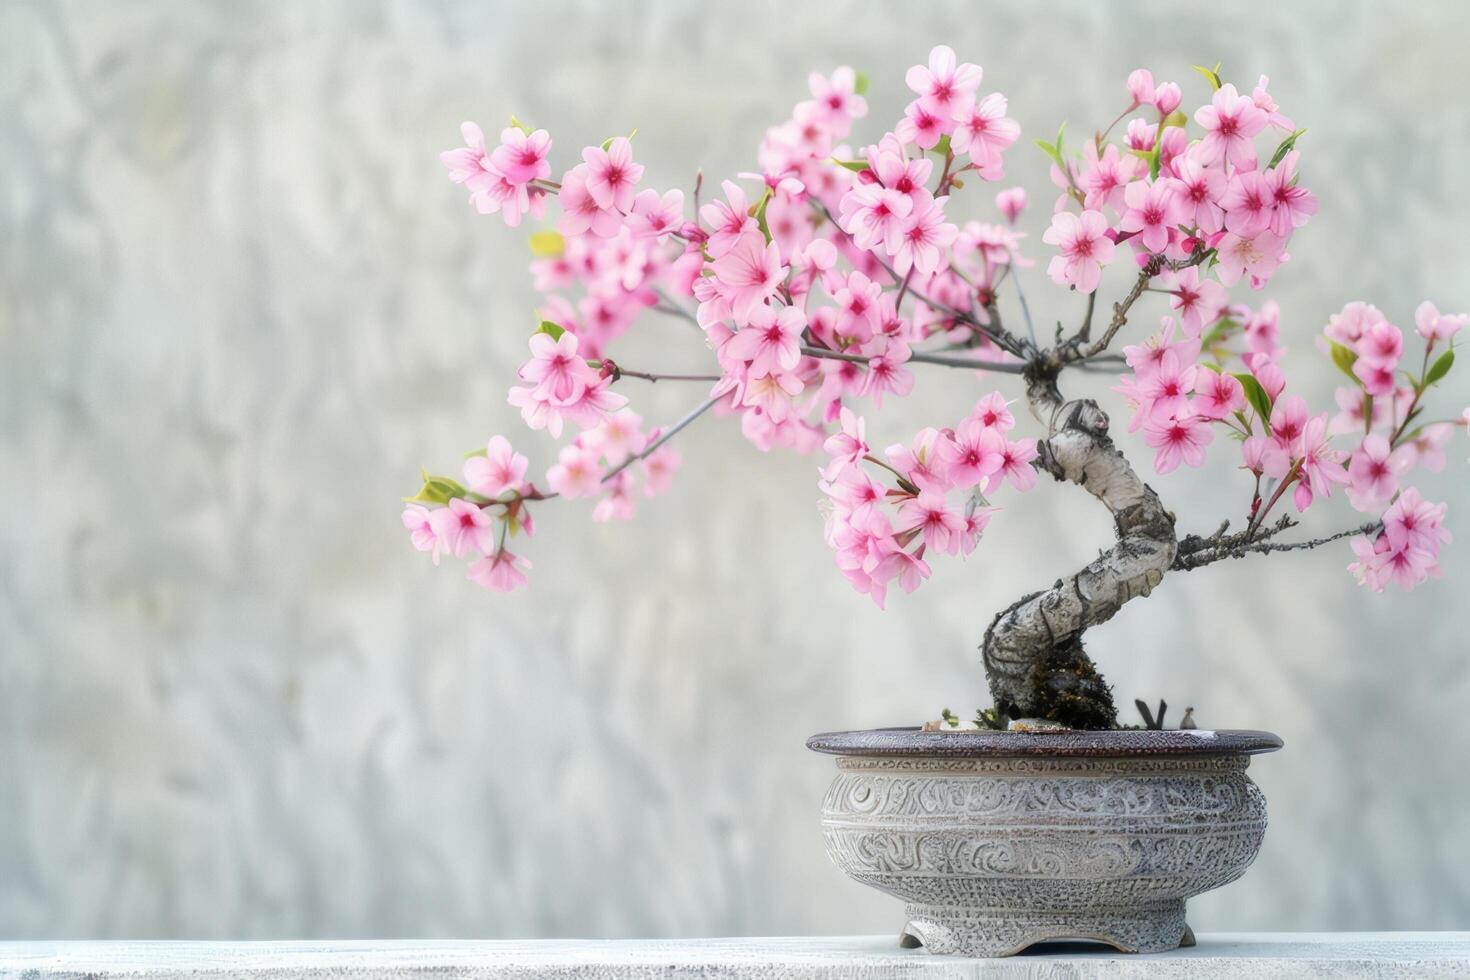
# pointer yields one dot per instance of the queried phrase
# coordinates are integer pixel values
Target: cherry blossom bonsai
(825, 282)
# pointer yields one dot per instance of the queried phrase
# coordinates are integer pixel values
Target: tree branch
(619, 372)
(943, 360)
(674, 430)
(1232, 548)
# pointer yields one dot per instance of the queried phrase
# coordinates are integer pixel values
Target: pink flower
(920, 236)
(521, 157)
(1164, 392)
(616, 438)
(872, 214)
(1321, 464)
(836, 100)
(1084, 247)
(1011, 201)
(886, 373)
(1289, 205)
(898, 173)
(1167, 97)
(910, 570)
(580, 211)
(1247, 203)
(1264, 456)
(729, 219)
(748, 274)
(974, 453)
(922, 127)
(463, 526)
(993, 411)
(1413, 521)
(499, 470)
(659, 468)
(855, 494)
(1141, 86)
(1153, 211)
(1433, 325)
(469, 165)
(1427, 448)
(943, 86)
(930, 514)
(1015, 465)
(1381, 344)
(612, 174)
(1377, 378)
(617, 500)
(502, 571)
(1218, 395)
(1197, 299)
(1105, 176)
(1231, 120)
(984, 131)
(1257, 256)
(924, 464)
(655, 216)
(555, 370)
(1178, 440)
(771, 343)
(1288, 422)
(421, 530)
(772, 394)
(846, 447)
(1201, 189)
(576, 473)
(1371, 473)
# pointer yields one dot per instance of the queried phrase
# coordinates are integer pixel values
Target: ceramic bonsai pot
(998, 840)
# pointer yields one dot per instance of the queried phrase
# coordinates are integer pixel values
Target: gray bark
(1032, 651)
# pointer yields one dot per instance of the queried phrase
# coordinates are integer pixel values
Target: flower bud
(1011, 201)
(1167, 98)
(1141, 86)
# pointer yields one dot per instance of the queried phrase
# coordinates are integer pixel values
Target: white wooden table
(1234, 955)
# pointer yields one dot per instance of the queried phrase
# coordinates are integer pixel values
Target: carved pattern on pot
(995, 854)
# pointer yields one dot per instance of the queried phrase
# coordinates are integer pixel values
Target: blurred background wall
(240, 304)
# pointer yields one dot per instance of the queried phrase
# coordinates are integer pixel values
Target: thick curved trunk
(1033, 650)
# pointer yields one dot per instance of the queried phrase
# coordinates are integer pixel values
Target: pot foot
(962, 931)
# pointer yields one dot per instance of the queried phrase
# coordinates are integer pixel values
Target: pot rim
(973, 744)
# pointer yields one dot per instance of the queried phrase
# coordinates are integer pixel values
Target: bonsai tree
(829, 279)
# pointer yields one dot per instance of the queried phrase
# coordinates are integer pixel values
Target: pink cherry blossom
(1414, 521)
(1377, 377)
(469, 164)
(943, 86)
(1104, 176)
(1321, 464)
(1180, 439)
(983, 131)
(873, 214)
(1218, 395)
(417, 519)
(922, 127)
(612, 174)
(974, 453)
(1433, 325)
(1201, 189)
(617, 437)
(898, 173)
(771, 343)
(730, 220)
(463, 527)
(556, 370)
(1164, 392)
(580, 212)
(993, 411)
(748, 274)
(1289, 204)
(659, 467)
(1011, 201)
(931, 515)
(522, 157)
(1167, 97)
(886, 373)
(1231, 121)
(1426, 449)
(1015, 466)
(836, 100)
(919, 239)
(1264, 456)
(1372, 476)
(924, 463)
(1247, 203)
(576, 473)
(502, 571)
(1141, 86)
(1153, 211)
(846, 447)
(1084, 247)
(1288, 422)
(654, 216)
(1381, 344)
(1256, 256)
(1197, 299)
(499, 470)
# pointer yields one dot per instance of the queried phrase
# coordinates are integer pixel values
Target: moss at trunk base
(1066, 688)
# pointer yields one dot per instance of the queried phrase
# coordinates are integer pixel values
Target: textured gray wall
(239, 304)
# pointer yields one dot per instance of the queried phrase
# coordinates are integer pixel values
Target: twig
(1001, 367)
(1209, 555)
(674, 430)
(618, 371)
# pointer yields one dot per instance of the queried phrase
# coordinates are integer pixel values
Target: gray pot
(998, 840)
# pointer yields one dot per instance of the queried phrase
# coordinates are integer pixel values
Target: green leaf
(856, 166)
(475, 452)
(437, 490)
(517, 124)
(553, 330)
(1213, 74)
(1255, 395)
(1060, 130)
(942, 147)
(860, 85)
(1222, 329)
(1439, 369)
(1344, 359)
(1175, 118)
(547, 244)
(1285, 148)
(1051, 151)
(759, 213)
